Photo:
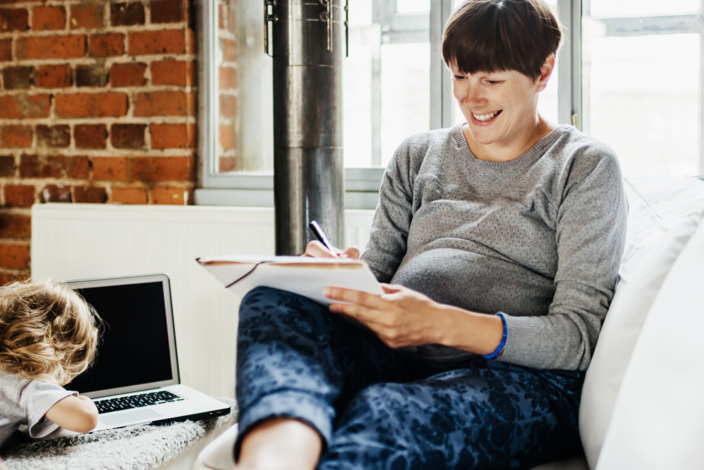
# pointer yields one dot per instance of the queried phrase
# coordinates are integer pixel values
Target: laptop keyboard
(136, 401)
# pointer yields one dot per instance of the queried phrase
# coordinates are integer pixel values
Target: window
(629, 73)
(643, 66)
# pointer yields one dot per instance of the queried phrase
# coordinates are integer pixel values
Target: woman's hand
(316, 249)
(400, 317)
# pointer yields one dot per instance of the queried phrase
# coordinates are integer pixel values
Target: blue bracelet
(501, 345)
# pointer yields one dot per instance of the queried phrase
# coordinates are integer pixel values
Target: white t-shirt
(24, 401)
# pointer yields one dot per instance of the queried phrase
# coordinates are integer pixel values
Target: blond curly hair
(47, 331)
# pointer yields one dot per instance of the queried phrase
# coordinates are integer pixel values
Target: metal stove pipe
(307, 41)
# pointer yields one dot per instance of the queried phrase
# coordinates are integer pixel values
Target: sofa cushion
(657, 417)
(663, 215)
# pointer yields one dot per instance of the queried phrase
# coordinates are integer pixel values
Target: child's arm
(77, 413)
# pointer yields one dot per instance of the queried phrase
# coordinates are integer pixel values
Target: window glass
(621, 8)
(641, 96)
(386, 79)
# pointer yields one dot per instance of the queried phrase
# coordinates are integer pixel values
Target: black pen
(322, 238)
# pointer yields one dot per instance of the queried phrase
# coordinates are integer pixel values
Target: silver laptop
(135, 378)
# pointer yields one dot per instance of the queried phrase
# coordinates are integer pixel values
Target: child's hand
(77, 414)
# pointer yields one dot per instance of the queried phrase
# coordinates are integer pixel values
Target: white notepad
(302, 275)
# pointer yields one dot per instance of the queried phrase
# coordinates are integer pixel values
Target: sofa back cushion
(657, 419)
(664, 213)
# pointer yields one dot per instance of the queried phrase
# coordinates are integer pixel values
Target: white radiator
(75, 241)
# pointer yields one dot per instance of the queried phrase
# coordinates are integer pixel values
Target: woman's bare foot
(280, 444)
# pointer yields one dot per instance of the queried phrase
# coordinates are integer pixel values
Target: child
(48, 336)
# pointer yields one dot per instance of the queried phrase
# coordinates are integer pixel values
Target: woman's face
(500, 108)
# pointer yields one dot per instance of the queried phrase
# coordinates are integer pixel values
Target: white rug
(135, 448)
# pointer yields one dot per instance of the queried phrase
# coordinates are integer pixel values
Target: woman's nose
(470, 93)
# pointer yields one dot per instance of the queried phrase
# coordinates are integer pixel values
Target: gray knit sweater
(539, 238)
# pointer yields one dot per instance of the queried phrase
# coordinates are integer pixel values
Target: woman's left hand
(400, 317)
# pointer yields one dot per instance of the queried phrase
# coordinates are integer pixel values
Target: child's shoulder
(13, 384)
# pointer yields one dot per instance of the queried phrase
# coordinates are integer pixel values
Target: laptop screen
(137, 347)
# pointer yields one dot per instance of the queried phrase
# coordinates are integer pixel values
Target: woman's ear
(545, 72)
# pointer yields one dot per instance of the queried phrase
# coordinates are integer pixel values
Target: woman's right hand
(316, 249)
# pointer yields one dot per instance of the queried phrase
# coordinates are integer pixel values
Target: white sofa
(643, 397)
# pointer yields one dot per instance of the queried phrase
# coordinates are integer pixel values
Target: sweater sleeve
(590, 234)
(392, 219)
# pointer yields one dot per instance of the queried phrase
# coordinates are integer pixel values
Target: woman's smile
(485, 118)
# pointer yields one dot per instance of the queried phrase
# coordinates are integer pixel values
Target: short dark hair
(495, 35)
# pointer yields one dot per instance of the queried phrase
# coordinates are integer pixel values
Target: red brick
(191, 38)
(53, 136)
(229, 50)
(31, 166)
(89, 15)
(174, 196)
(163, 103)
(7, 166)
(106, 45)
(90, 194)
(172, 136)
(221, 16)
(110, 168)
(148, 169)
(93, 75)
(24, 106)
(130, 74)
(7, 278)
(231, 22)
(55, 193)
(226, 164)
(92, 105)
(13, 19)
(228, 78)
(127, 136)
(15, 226)
(77, 167)
(16, 136)
(14, 256)
(126, 14)
(55, 166)
(51, 47)
(48, 18)
(173, 72)
(6, 50)
(129, 196)
(156, 42)
(90, 136)
(18, 78)
(54, 76)
(167, 11)
(19, 195)
(228, 105)
(227, 137)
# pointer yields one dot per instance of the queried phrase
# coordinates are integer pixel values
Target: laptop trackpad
(143, 415)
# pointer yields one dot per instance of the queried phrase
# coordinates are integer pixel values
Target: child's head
(47, 331)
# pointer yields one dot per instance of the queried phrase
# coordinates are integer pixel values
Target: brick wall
(97, 104)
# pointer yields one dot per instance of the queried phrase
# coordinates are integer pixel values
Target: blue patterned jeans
(379, 408)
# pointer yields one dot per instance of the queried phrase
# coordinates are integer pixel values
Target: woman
(500, 240)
